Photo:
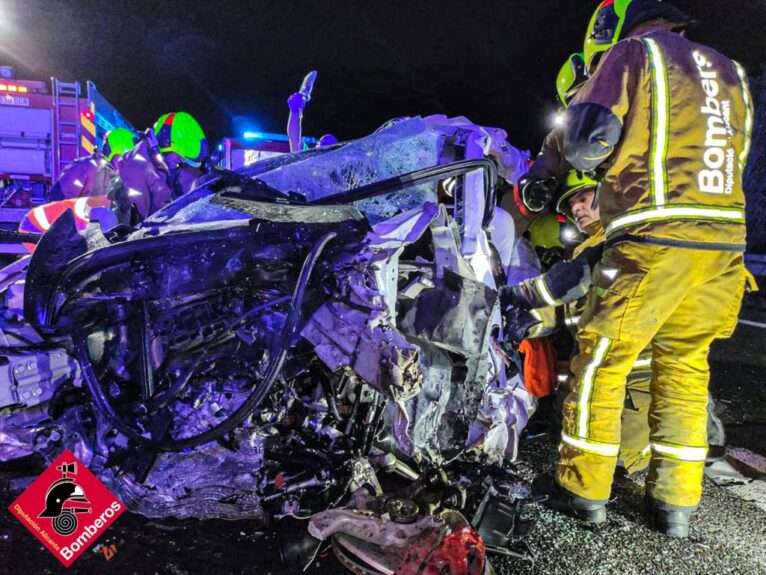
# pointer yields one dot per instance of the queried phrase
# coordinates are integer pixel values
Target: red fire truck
(253, 146)
(43, 127)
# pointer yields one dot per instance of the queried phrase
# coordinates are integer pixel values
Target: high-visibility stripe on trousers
(677, 301)
(634, 448)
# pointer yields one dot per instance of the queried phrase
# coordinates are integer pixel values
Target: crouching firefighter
(667, 123)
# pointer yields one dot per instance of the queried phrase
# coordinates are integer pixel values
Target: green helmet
(613, 19)
(571, 76)
(179, 132)
(544, 232)
(118, 141)
(604, 30)
(575, 182)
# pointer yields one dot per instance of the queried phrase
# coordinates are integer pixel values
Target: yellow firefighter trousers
(678, 300)
(634, 436)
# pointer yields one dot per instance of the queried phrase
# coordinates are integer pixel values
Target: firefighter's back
(684, 182)
(144, 183)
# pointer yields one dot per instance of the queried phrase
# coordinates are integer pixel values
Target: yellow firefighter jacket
(668, 123)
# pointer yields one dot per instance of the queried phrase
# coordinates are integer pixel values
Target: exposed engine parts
(316, 331)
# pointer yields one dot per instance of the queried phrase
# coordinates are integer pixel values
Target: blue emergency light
(265, 136)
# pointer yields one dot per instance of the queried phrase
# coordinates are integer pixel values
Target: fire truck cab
(251, 147)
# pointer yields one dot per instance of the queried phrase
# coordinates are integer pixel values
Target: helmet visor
(605, 27)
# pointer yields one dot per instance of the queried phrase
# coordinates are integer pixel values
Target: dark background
(233, 64)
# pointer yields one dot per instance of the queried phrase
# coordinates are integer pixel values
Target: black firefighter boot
(672, 520)
(587, 510)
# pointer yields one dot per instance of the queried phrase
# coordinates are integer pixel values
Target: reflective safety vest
(668, 122)
(38, 220)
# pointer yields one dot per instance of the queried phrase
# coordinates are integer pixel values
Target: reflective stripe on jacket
(567, 281)
(669, 123)
(38, 220)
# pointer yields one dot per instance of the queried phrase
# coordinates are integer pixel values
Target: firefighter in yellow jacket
(163, 166)
(666, 122)
(556, 299)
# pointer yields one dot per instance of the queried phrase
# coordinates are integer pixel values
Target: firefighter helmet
(613, 19)
(327, 140)
(61, 492)
(575, 182)
(571, 76)
(179, 132)
(117, 142)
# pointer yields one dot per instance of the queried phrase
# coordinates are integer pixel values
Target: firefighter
(557, 299)
(326, 141)
(566, 282)
(83, 186)
(532, 194)
(672, 274)
(162, 167)
(296, 103)
(92, 175)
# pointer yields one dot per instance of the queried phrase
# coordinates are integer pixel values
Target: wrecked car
(272, 340)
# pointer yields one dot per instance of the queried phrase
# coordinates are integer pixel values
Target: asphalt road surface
(728, 534)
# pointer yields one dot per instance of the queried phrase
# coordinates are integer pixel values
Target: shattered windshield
(397, 149)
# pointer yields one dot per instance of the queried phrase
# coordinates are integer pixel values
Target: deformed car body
(277, 335)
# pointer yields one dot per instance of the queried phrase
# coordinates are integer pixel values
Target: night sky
(233, 64)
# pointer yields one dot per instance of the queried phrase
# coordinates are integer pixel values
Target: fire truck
(253, 146)
(43, 127)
